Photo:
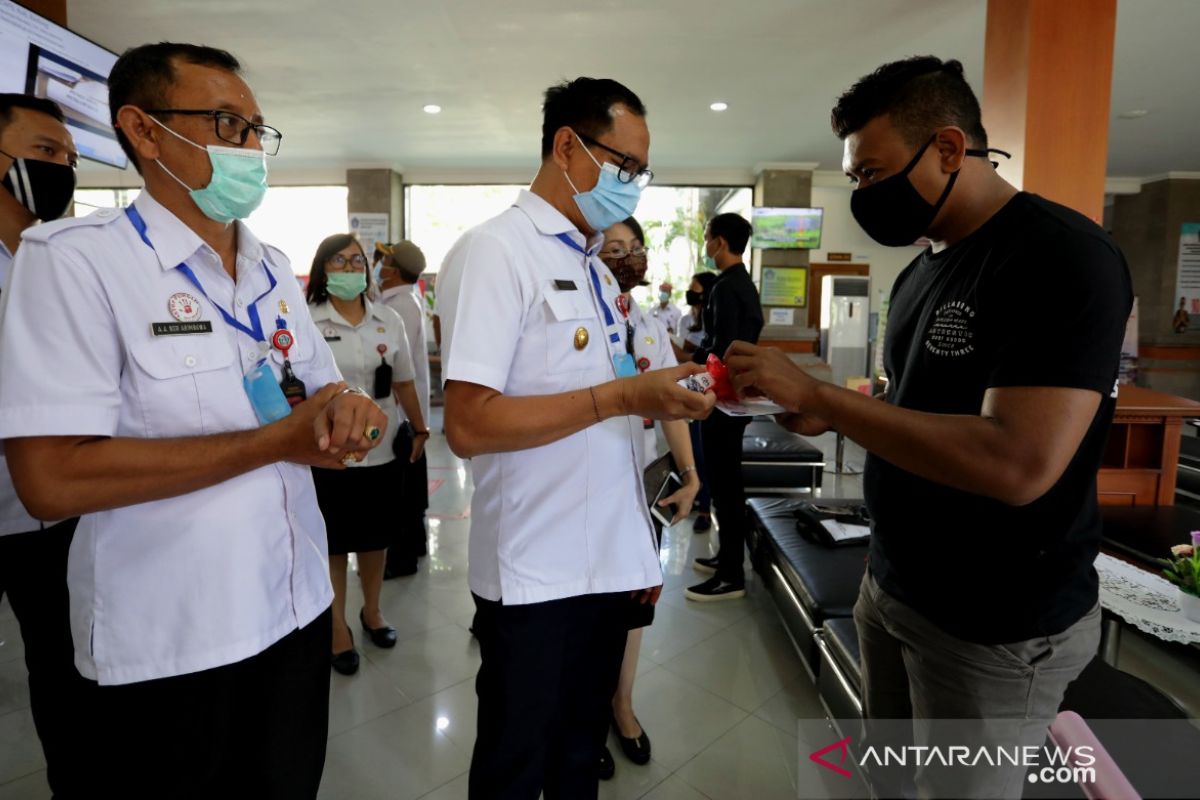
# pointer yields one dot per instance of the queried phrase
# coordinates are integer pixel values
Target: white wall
(841, 234)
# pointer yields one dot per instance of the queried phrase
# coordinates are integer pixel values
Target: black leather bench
(777, 461)
(809, 581)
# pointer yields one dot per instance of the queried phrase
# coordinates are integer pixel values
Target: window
(293, 218)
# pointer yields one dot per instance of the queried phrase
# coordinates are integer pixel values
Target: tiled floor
(719, 688)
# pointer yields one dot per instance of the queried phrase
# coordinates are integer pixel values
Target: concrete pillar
(787, 185)
(379, 191)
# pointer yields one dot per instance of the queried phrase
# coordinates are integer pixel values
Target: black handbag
(403, 444)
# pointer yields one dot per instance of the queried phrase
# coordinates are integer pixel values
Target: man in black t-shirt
(1002, 349)
(732, 313)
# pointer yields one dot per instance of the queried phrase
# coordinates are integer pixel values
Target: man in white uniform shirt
(37, 181)
(665, 311)
(399, 273)
(143, 356)
(537, 395)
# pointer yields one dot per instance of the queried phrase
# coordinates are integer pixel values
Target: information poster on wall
(1187, 281)
(784, 286)
(369, 228)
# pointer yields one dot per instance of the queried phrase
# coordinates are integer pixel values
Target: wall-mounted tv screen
(786, 228)
(42, 58)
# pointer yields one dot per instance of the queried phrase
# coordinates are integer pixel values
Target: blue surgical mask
(377, 273)
(710, 263)
(611, 201)
(664, 297)
(238, 183)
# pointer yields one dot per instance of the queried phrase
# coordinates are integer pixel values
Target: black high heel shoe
(636, 750)
(345, 662)
(384, 637)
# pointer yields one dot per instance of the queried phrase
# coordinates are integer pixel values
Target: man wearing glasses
(543, 395)
(156, 363)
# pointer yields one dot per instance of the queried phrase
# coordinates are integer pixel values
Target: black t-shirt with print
(1037, 296)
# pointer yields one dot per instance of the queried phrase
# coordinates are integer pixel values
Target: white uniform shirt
(408, 303)
(669, 316)
(204, 579)
(651, 350)
(568, 518)
(13, 516)
(358, 351)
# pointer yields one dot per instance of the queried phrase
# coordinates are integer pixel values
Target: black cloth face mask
(693, 298)
(893, 212)
(43, 187)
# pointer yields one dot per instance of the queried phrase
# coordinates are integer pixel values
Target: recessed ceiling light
(719, 106)
(433, 109)
(1136, 113)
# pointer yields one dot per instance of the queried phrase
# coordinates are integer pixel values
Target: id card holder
(383, 380)
(265, 395)
(625, 365)
(294, 390)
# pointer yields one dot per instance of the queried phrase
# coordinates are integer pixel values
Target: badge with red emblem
(184, 307)
(622, 305)
(282, 340)
(643, 364)
(382, 349)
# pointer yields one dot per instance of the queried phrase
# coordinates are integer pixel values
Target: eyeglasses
(631, 170)
(357, 263)
(621, 252)
(231, 127)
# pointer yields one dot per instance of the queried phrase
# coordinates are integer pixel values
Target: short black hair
(143, 74)
(920, 94)
(585, 106)
(11, 102)
(733, 228)
(636, 227)
(317, 291)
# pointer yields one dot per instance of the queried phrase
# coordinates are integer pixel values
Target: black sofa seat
(839, 680)
(810, 582)
(777, 461)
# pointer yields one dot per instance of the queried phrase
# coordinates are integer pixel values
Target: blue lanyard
(609, 322)
(255, 330)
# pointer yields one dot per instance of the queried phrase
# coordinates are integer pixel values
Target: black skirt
(349, 501)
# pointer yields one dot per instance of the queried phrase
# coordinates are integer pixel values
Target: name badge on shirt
(180, 328)
(625, 365)
(565, 286)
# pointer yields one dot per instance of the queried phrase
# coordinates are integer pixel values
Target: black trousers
(409, 539)
(545, 695)
(256, 728)
(33, 573)
(721, 437)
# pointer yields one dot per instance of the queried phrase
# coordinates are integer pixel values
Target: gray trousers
(998, 695)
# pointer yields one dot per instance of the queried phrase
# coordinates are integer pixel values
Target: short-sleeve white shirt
(670, 316)
(359, 350)
(13, 516)
(408, 303)
(203, 579)
(568, 518)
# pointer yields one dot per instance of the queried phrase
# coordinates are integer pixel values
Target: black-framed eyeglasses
(631, 170)
(357, 263)
(231, 127)
(621, 252)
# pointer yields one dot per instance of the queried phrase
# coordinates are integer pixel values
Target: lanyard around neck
(255, 329)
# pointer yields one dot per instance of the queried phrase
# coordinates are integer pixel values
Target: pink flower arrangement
(1183, 568)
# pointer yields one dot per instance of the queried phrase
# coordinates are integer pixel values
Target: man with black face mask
(37, 181)
(986, 447)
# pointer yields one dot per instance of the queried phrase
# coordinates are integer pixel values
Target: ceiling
(346, 81)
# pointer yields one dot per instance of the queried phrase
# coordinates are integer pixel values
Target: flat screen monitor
(41, 58)
(787, 228)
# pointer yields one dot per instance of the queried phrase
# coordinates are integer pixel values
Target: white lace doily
(1144, 599)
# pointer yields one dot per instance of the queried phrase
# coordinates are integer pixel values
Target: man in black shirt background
(733, 313)
(980, 600)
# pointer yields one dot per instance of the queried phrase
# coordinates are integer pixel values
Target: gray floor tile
(20, 749)
(31, 787)
(753, 760)
(360, 698)
(680, 718)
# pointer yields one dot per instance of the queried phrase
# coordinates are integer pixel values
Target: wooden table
(1142, 455)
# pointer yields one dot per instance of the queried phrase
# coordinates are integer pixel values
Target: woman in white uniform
(625, 256)
(371, 351)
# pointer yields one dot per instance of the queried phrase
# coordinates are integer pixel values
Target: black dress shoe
(380, 637)
(607, 767)
(636, 750)
(345, 662)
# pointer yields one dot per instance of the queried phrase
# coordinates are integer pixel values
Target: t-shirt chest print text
(951, 334)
